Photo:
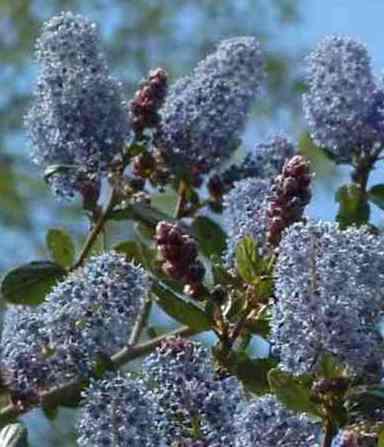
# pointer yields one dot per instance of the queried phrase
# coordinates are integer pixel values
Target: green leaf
(293, 392)
(135, 149)
(211, 237)
(376, 195)
(131, 249)
(354, 208)
(165, 202)
(30, 283)
(330, 368)
(253, 372)
(14, 435)
(141, 213)
(179, 308)
(260, 326)
(221, 275)
(61, 247)
(103, 364)
(248, 261)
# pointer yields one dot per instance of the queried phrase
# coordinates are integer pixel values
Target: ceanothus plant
(77, 322)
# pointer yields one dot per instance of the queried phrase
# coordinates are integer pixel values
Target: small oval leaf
(61, 247)
(354, 208)
(248, 261)
(293, 392)
(211, 237)
(30, 283)
(181, 310)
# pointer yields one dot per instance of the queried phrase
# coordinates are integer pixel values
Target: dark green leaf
(141, 213)
(131, 249)
(376, 195)
(253, 372)
(330, 368)
(293, 392)
(260, 326)
(103, 364)
(211, 237)
(14, 435)
(248, 261)
(135, 149)
(179, 308)
(354, 208)
(61, 247)
(30, 283)
(221, 275)
(165, 202)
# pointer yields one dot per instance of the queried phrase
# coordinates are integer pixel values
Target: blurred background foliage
(138, 35)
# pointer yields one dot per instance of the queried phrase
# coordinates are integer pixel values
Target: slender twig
(61, 394)
(97, 229)
(181, 196)
(140, 322)
(130, 353)
(328, 434)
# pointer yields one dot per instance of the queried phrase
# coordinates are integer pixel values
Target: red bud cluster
(289, 196)
(179, 253)
(148, 100)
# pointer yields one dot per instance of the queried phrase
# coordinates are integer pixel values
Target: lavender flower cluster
(265, 161)
(79, 119)
(245, 214)
(265, 422)
(195, 402)
(182, 402)
(118, 411)
(204, 113)
(90, 313)
(329, 288)
(344, 106)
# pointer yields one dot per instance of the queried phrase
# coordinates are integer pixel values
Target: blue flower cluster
(90, 313)
(119, 412)
(329, 289)
(190, 395)
(204, 113)
(264, 422)
(79, 119)
(344, 106)
(245, 214)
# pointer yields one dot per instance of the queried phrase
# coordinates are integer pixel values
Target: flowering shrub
(312, 290)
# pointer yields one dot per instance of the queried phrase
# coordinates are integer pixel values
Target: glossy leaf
(61, 247)
(30, 283)
(141, 213)
(248, 261)
(253, 372)
(293, 392)
(354, 208)
(211, 237)
(179, 308)
(131, 249)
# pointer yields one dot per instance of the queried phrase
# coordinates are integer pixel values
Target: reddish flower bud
(290, 193)
(148, 100)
